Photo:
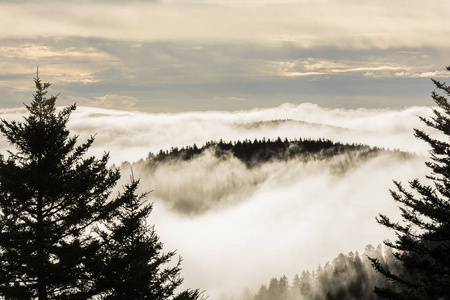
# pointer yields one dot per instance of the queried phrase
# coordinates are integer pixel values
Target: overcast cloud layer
(225, 55)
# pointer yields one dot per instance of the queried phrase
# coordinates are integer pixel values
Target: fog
(296, 216)
(130, 136)
(237, 227)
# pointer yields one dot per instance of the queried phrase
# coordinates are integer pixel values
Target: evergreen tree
(263, 293)
(283, 287)
(53, 202)
(295, 289)
(274, 289)
(423, 240)
(132, 258)
(306, 284)
(49, 196)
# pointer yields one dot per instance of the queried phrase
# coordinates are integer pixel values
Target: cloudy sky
(353, 71)
(191, 55)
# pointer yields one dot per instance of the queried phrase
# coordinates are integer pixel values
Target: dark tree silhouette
(262, 151)
(132, 258)
(49, 196)
(52, 199)
(423, 239)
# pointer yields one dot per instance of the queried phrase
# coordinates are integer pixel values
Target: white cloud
(371, 67)
(279, 219)
(299, 217)
(232, 98)
(347, 24)
(60, 64)
(109, 101)
(130, 135)
(115, 101)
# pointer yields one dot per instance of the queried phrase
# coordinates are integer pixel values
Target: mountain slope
(194, 180)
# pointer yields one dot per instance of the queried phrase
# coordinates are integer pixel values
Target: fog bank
(129, 136)
(300, 216)
(245, 226)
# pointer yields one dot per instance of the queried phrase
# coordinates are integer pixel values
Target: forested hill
(193, 180)
(255, 152)
(347, 277)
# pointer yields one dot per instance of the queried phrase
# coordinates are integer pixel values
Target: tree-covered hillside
(253, 153)
(347, 277)
(193, 180)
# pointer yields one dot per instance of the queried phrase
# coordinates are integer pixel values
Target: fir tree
(132, 257)
(423, 240)
(49, 196)
(52, 199)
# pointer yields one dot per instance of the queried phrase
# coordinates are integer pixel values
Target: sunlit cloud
(115, 101)
(298, 218)
(279, 218)
(179, 55)
(351, 24)
(229, 98)
(375, 68)
(130, 136)
(60, 63)
(108, 101)
(170, 76)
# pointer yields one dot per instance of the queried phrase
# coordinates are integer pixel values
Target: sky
(199, 55)
(151, 75)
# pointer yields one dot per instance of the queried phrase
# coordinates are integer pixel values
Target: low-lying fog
(237, 227)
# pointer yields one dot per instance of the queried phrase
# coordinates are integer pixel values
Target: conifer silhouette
(52, 200)
(423, 239)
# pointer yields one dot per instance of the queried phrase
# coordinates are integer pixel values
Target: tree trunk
(41, 259)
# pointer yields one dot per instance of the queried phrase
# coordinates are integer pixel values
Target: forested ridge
(278, 122)
(231, 171)
(346, 277)
(255, 152)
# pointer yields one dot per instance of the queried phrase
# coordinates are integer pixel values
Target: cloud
(280, 218)
(209, 183)
(108, 101)
(131, 135)
(299, 216)
(310, 24)
(59, 63)
(179, 56)
(230, 98)
(374, 67)
(116, 101)
(186, 76)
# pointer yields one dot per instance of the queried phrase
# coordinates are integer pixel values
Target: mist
(131, 135)
(295, 216)
(237, 227)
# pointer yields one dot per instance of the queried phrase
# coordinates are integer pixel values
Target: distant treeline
(260, 151)
(347, 277)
